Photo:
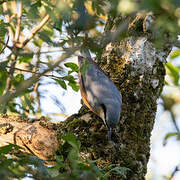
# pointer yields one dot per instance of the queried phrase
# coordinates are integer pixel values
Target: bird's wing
(96, 87)
(84, 93)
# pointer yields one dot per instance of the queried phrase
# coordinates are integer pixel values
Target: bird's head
(110, 114)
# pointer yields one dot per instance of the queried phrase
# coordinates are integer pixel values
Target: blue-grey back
(100, 87)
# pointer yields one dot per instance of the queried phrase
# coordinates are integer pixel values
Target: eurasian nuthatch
(99, 93)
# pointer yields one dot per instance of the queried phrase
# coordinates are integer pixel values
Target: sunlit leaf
(73, 66)
(18, 79)
(72, 82)
(26, 58)
(74, 86)
(175, 54)
(173, 72)
(61, 83)
(168, 135)
(6, 149)
(3, 77)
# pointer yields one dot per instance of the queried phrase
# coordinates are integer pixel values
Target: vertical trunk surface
(137, 69)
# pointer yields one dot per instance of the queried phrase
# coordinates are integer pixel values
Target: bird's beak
(109, 134)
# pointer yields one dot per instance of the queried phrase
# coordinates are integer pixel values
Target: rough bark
(137, 69)
(37, 137)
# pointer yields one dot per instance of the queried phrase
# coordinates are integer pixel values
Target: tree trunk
(137, 69)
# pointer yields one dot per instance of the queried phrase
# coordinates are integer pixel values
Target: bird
(98, 92)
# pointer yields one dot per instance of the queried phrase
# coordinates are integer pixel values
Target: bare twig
(177, 168)
(39, 52)
(14, 57)
(5, 10)
(28, 83)
(174, 121)
(34, 31)
(10, 73)
(5, 45)
(25, 70)
(19, 15)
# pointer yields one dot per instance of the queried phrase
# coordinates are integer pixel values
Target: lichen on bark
(137, 69)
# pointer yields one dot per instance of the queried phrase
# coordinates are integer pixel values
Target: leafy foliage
(72, 166)
(16, 164)
(173, 73)
(170, 100)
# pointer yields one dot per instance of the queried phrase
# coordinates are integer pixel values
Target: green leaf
(3, 77)
(168, 135)
(74, 86)
(61, 83)
(69, 78)
(33, 12)
(72, 82)
(3, 30)
(120, 170)
(18, 79)
(8, 148)
(175, 54)
(45, 35)
(28, 102)
(74, 67)
(72, 140)
(53, 171)
(3, 65)
(26, 59)
(51, 13)
(58, 25)
(173, 72)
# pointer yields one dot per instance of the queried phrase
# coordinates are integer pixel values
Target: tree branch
(5, 10)
(174, 121)
(177, 168)
(46, 75)
(26, 84)
(5, 45)
(19, 15)
(34, 31)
